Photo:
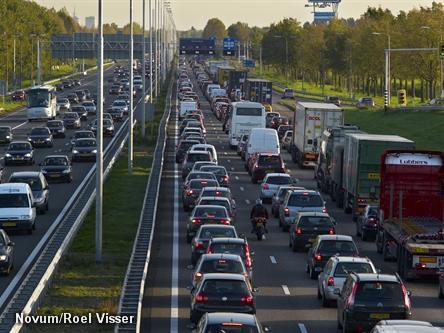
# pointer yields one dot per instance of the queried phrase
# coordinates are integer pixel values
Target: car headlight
(3, 257)
(75, 151)
(48, 139)
(66, 171)
(28, 155)
(8, 137)
(8, 155)
(25, 217)
(94, 151)
(109, 128)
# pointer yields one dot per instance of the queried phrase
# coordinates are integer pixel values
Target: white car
(63, 104)
(206, 147)
(121, 104)
(90, 106)
(272, 182)
(138, 85)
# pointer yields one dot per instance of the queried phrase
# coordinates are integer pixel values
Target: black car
(220, 172)
(6, 253)
(20, 152)
(71, 120)
(57, 128)
(84, 149)
(39, 187)
(81, 111)
(40, 137)
(59, 87)
(222, 292)
(367, 223)
(82, 135)
(182, 149)
(57, 167)
(76, 82)
(72, 98)
(6, 135)
(87, 93)
(67, 84)
(365, 299)
(115, 89)
(107, 127)
(116, 114)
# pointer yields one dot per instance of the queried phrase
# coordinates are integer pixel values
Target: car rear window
(208, 212)
(199, 184)
(225, 287)
(220, 171)
(372, 291)
(198, 157)
(278, 180)
(345, 268)
(222, 203)
(314, 221)
(305, 200)
(231, 327)
(229, 248)
(222, 266)
(199, 175)
(273, 160)
(214, 193)
(208, 233)
(337, 246)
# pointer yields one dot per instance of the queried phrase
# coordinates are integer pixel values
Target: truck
(328, 169)
(214, 64)
(310, 120)
(236, 79)
(258, 90)
(361, 166)
(223, 74)
(411, 211)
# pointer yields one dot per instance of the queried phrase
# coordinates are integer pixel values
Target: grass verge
(9, 106)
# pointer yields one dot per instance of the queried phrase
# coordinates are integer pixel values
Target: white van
(186, 107)
(17, 207)
(218, 92)
(262, 140)
(210, 87)
(205, 147)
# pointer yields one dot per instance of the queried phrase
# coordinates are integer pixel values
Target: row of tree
(350, 53)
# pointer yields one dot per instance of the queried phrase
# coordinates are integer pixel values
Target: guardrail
(130, 303)
(29, 294)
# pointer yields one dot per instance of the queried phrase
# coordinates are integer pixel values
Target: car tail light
(286, 212)
(198, 276)
(210, 249)
(248, 261)
(195, 221)
(372, 220)
(331, 281)
(298, 231)
(189, 192)
(324, 210)
(201, 298)
(420, 265)
(317, 257)
(225, 178)
(199, 245)
(225, 221)
(331, 231)
(247, 299)
(351, 299)
(406, 297)
(265, 186)
(361, 201)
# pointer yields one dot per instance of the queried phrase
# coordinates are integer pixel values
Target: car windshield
(198, 157)
(85, 143)
(55, 123)
(4, 130)
(337, 246)
(374, 291)
(79, 135)
(33, 182)
(314, 221)
(13, 200)
(208, 233)
(222, 266)
(210, 212)
(119, 103)
(219, 171)
(20, 146)
(272, 160)
(39, 131)
(56, 161)
(305, 200)
(225, 287)
(345, 268)
(231, 327)
(278, 180)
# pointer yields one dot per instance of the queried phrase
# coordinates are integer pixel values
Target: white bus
(244, 116)
(42, 103)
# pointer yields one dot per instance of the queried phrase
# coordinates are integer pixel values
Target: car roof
(351, 259)
(26, 174)
(377, 277)
(228, 240)
(404, 322)
(210, 206)
(215, 198)
(409, 329)
(7, 187)
(20, 141)
(277, 174)
(304, 191)
(231, 317)
(215, 256)
(223, 276)
(215, 226)
(318, 214)
(336, 237)
(217, 189)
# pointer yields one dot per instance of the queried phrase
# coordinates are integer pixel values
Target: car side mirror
(266, 328)
(409, 293)
(11, 244)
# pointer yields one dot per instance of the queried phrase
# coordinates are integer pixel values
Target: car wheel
(295, 248)
(325, 302)
(363, 236)
(312, 273)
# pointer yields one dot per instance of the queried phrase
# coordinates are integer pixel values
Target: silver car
(336, 271)
(121, 104)
(272, 182)
(89, 106)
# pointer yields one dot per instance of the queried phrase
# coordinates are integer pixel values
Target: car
(84, 149)
(367, 223)
(17, 207)
(282, 129)
(185, 122)
(286, 140)
(218, 201)
(81, 111)
(205, 147)
(262, 163)
(182, 149)
(72, 98)
(193, 136)
(6, 135)
(288, 93)
(81, 95)
(219, 292)
(299, 201)
(39, 187)
(269, 116)
(87, 94)
(67, 84)
(115, 89)
(336, 270)
(95, 98)
(224, 192)
(199, 175)
(326, 246)
(40, 137)
(278, 121)
(307, 226)
(365, 102)
(18, 95)
(380, 296)
(82, 135)
(116, 113)
(192, 130)
(89, 106)
(271, 183)
(279, 195)
(121, 104)
(218, 263)
(63, 104)
(242, 141)
(107, 127)
(405, 326)
(56, 168)
(207, 232)
(191, 158)
(200, 164)
(57, 128)
(6, 253)
(191, 191)
(71, 120)
(76, 82)
(229, 322)
(220, 172)
(138, 84)
(441, 284)
(19, 152)
(124, 97)
(333, 99)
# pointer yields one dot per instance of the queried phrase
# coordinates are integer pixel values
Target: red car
(266, 163)
(19, 95)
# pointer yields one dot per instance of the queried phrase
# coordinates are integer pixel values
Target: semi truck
(223, 75)
(410, 228)
(258, 90)
(310, 120)
(361, 166)
(328, 170)
(236, 80)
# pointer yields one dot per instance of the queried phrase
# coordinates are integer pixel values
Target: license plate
(269, 171)
(379, 315)
(55, 175)
(9, 224)
(18, 158)
(259, 224)
(428, 260)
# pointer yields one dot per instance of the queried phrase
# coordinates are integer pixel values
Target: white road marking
(302, 328)
(219, 138)
(285, 289)
(225, 153)
(236, 177)
(273, 260)
(67, 144)
(20, 125)
(247, 201)
(241, 188)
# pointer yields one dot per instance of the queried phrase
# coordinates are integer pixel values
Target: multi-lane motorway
(286, 300)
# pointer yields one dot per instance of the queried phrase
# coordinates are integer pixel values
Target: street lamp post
(142, 116)
(286, 54)
(131, 114)
(387, 94)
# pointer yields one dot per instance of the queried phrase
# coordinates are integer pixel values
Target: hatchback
(229, 322)
(272, 182)
(192, 191)
(19, 152)
(40, 137)
(182, 149)
(191, 158)
(57, 128)
(265, 163)
(206, 214)
(57, 167)
(219, 172)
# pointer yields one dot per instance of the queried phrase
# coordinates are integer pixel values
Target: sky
(196, 13)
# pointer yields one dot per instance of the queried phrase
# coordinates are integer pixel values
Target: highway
(286, 300)
(59, 192)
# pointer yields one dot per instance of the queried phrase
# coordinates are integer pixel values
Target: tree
(214, 28)
(239, 31)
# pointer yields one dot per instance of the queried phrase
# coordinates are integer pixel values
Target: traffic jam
(392, 192)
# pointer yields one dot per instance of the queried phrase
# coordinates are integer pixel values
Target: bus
(244, 116)
(41, 103)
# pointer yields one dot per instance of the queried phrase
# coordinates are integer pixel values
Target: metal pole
(286, 59)
(99, 139)
(39, 65)
(260, 60)
(156, 48)
(151, 51)
(130, 125)
(13, 76)
(386, 87)
(388, 71)
(142, 116)
(238, 51)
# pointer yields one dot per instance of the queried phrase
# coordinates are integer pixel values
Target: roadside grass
(9, 106)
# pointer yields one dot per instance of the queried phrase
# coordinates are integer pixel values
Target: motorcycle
(259, 227)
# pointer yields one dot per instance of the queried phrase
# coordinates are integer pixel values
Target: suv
(336, 271)
(266, 163)
(272, 182)
(288, 93)
(299, 201)
(366, 299)
(367, 223)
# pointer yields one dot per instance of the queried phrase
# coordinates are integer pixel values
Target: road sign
(249, 63)
(323, 16)
(229, 46)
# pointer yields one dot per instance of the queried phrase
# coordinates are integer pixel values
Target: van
(17, 207)
(186, 107)
(210, 87)
(262, 140)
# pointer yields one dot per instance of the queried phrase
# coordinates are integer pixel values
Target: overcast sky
(196, 13)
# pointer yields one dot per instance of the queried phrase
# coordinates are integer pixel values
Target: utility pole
(142, 116)
(99, 139)
(13, 76)
(156, 63)
(260, 60)
(151, 54)
(39, 65)
(131, 115)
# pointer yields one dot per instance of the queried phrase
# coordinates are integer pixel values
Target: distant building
(90, 22)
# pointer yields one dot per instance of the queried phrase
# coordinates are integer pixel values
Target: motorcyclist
(258, 211)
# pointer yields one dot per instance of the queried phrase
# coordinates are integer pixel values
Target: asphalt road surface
(286, 300)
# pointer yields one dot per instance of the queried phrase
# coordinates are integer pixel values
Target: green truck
(361, 166)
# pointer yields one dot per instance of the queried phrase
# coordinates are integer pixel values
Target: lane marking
(236, 177)
(247, 201)
(302, 328)
(285, 289)
(229, 161)
(20, 125)
(241, 188)
(273, 260)
(219, 138)
(225, 153)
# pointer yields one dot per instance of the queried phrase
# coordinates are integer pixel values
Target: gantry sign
(83, 45)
